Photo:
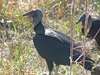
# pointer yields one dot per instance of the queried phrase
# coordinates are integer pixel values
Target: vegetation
(18, 55)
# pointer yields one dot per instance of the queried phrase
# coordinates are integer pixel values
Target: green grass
(18, 55)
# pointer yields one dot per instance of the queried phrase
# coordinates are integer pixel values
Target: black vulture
(54, 46)
(93, 27)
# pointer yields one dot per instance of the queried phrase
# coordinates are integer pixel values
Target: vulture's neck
(39, 28)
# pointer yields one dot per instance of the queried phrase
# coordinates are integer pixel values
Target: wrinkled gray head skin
(82, 19)
(36, 15)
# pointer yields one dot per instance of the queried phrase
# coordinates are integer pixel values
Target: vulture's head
(85, 18)
(35, 14)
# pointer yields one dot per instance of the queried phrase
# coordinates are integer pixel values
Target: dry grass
(18, 55)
